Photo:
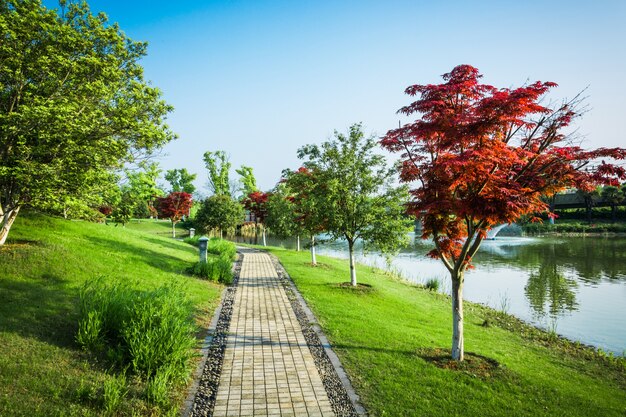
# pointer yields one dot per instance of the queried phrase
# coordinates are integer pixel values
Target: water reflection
(579, 282)
(548, 289)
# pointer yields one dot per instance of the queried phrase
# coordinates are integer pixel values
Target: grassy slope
(378, 335)
(42, 266)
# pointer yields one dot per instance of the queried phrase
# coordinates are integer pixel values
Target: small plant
(115, 389)
(90, 331)
(432, 284)
(505, 303)
(216, 269)
(156, 390)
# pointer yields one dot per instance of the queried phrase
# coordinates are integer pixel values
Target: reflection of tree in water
(548, 290)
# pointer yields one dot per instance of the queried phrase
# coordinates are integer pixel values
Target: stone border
(343, 398)
(203, 390)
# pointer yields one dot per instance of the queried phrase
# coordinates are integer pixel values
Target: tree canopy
(181, 180)
(73, 103)
(479, 156)
(219, 212)
(176, 205)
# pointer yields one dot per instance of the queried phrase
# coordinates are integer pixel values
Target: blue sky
(259, 79)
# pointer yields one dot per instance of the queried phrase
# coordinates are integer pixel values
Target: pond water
(575, 286)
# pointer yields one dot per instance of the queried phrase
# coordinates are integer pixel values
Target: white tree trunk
(457, 317)
(352, 264)
(298, 243)
(313, 260)
(173, 230)
(6, 222)
(264, 241)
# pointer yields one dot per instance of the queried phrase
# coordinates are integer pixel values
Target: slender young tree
(174, 207)
(309, 214)
(353, 188)
(73, 104)
(479, 156)
(281, 215)
(218, 165)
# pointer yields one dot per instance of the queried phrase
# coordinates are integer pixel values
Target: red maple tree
(174, 207)
(482, 156)
(256, 203)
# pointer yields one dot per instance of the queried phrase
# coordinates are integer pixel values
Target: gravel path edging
(207, 375)
(343, 397)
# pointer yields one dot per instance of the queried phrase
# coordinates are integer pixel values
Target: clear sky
(259, 79)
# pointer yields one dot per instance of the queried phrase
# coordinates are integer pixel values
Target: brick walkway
(268, 369)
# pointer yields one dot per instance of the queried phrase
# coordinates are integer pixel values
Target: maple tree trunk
(173, 230)
(7, 221)
(313, 260)
(298, 243)
(352, 265)
(457, 316)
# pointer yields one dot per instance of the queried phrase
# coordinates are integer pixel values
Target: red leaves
(174, 206)
(256, 203)
(482, 156)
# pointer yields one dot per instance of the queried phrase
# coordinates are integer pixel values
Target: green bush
(216, 246)
(144, 330)
(432, 284)
(214, 269)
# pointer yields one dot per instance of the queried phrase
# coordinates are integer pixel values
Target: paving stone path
(268, 369)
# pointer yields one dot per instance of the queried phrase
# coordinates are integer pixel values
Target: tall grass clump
(222, 247)
(149, 332)
(214, 269)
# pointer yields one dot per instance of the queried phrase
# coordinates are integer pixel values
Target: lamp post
(203, 243)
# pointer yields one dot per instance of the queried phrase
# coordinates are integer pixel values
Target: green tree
(308, 204)
(73, 103)
(142, 187)
(612, 196)
(354, 190)
(219, 212)
(181, 180)
(248, 181)
(219, 168)
(281, 216)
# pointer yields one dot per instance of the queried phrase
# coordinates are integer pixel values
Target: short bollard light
(192, 232)
(203, 243)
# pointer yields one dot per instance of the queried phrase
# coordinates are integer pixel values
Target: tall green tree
(142, 187)
(181, 180)
(218, 165)
(281, 217)
(219, 212)
(354, 190)
(308, 203)
(248, 181)
(73, 103)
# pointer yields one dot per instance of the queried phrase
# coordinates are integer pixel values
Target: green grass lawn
(42, 267)
(392, 337)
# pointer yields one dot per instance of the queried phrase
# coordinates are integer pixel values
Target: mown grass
(43, 371)
(394, 342)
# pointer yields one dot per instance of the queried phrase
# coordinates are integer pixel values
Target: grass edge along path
(43, 371)
(393, 340)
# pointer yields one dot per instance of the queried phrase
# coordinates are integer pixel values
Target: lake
(575, 286)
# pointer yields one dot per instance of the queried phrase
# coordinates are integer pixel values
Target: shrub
(223, 248)
(214, 269)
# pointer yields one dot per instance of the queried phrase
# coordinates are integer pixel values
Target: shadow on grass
(42, 308)
(167, 263)
(168, 245)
